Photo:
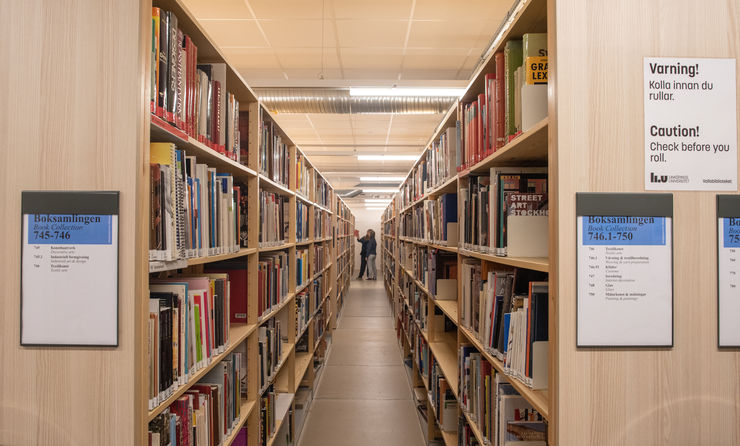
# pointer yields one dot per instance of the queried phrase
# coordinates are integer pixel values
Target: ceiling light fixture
(406, 91)
(387, 157)
(382, 179)
(378, 200)
(380, 190)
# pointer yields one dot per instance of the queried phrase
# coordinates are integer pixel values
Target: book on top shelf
(512, 61)
(534, 85)
(192, 97)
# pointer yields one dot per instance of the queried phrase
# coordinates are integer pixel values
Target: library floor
(364, 396)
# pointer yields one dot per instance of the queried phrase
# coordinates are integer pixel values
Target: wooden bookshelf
(529, 148)
(292, 366)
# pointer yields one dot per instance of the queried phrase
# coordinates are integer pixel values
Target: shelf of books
(465, 250)
(241, 249)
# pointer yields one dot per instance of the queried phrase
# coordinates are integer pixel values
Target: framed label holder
(69, 268)
(624, 255)
(728, 270)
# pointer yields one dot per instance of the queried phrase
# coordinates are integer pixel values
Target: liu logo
(658, 179)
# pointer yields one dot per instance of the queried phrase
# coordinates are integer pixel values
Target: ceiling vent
(336, 100)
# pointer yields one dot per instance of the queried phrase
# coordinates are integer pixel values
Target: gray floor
(364, 397)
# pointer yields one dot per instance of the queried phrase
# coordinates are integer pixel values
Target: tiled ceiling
(343, 43)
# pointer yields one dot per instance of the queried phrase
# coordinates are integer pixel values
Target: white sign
(625, 281)
(728, 253)
(690, 124)
(69, 279)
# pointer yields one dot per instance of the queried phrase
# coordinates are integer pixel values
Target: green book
(198, 346)
(512, 61)
(534, 45)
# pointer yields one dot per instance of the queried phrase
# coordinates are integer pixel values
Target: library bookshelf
(324, 220)
(624, 396)
(102, 87)
(530, 148)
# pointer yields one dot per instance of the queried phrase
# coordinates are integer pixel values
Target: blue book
(507, 318)
(449, 211)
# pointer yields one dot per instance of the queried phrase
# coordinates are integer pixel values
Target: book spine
(164, 48)
(172, 52)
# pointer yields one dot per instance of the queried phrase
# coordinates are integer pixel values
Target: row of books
(437, 165)
(440, 159)
(272, 277)
(507, 310)
(322, 192)
(343, 211)
(267, 415)
(269, 351)
(442, 274)
(513, 100)
(301, 221)
(320, 257)
(505, 213)
(195, 211)
(274, 154)
(302, 310)
(321, 224)
(319, 292)
(192, 96)
(208, 411)
(438, 214)
(443, 399)
(274, 219)
(414, 223)
(188, 325)
(303, 268)
(503, 416)
(304, 176)
(344, 229)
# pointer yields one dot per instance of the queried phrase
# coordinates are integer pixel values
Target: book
(499, 118)
(512, 61)
(527, 224)
(534, 85)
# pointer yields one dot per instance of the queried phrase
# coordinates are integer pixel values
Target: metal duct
(325, 100)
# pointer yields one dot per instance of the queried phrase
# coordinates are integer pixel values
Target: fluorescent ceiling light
(381, 190)
(374, 208)
(378, 200)
(387, 157)
(406, 91)
(382, 179)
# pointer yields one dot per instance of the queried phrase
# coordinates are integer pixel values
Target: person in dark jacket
(372, 272)
(363, 254)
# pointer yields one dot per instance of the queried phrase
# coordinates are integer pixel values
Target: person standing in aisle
(372, 272)
(363, 253)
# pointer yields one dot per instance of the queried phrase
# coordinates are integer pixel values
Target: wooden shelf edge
(276, 247)
(302, 364)
(534, 263)
(446, 357)
(274, 186)
(273, 311)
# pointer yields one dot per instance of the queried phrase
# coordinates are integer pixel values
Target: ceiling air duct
(335, 100)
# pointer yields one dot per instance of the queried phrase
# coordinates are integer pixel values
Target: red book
(181, 408)
(461, 136)
(499, 93)
(482, 133)
(238, 283)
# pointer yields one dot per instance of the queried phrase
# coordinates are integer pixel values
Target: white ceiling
(280, 43)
